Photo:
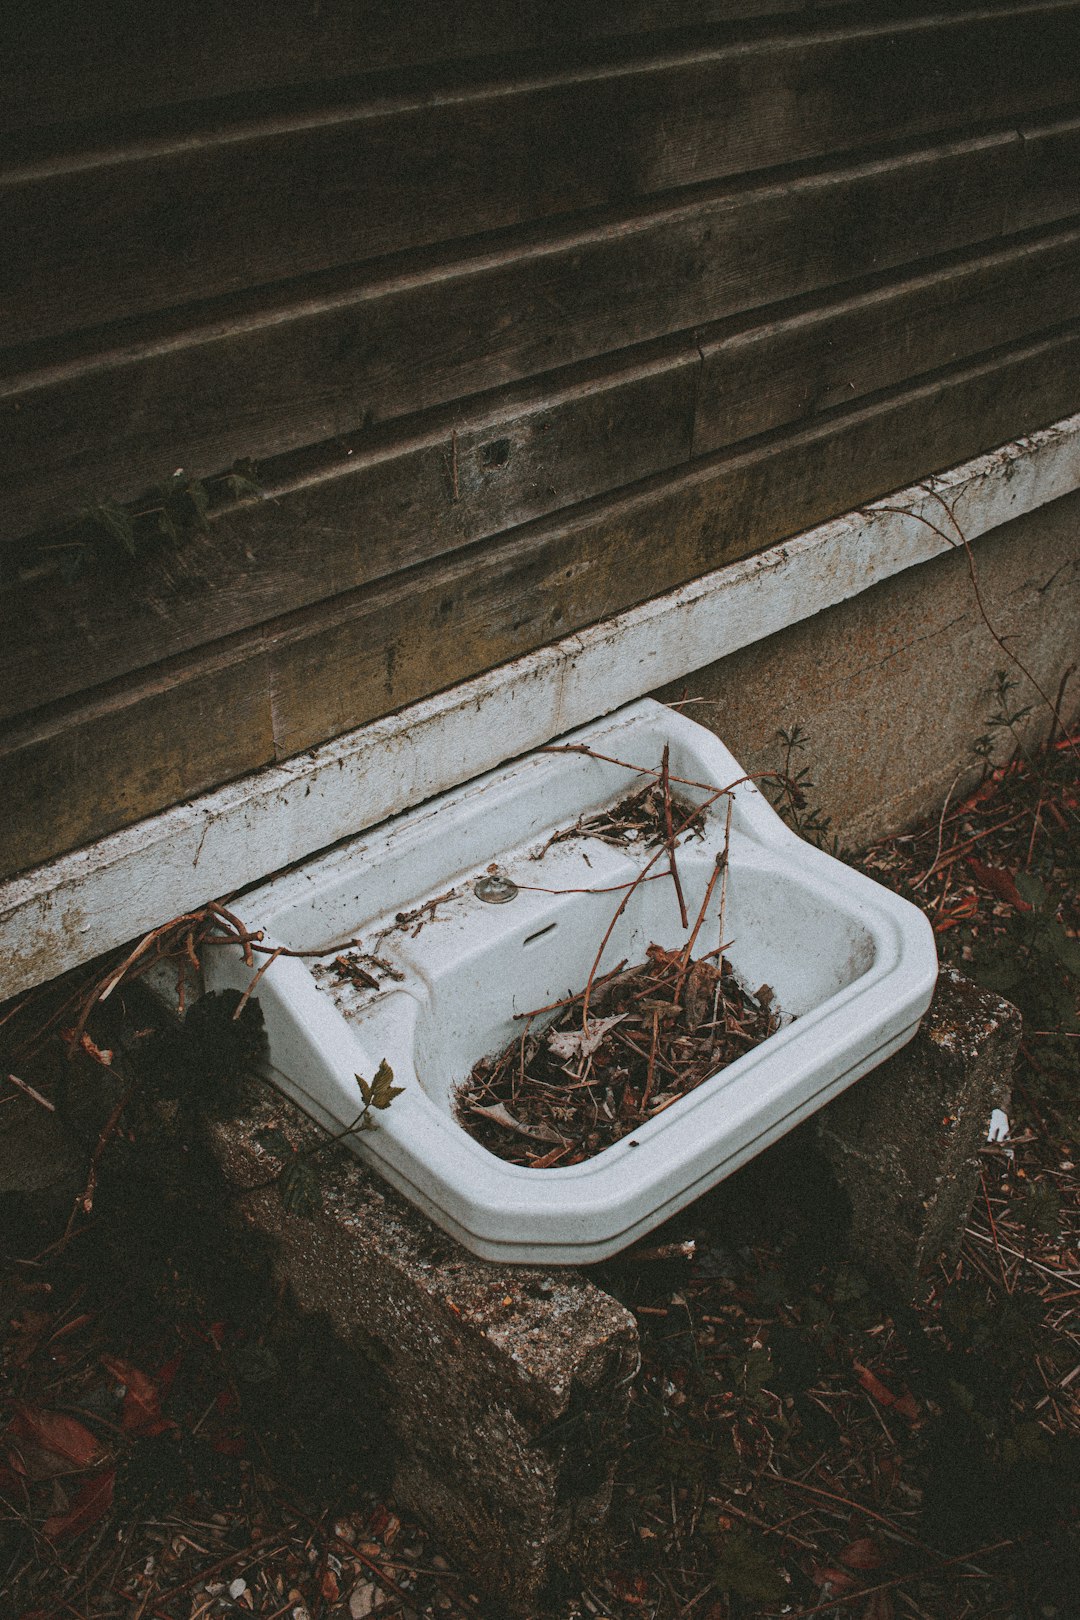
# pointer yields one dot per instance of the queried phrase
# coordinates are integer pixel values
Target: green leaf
(240, 487)
(745, 1572)
(757, 1371)
(1033, 891)
(1040, 1209)
(199, 496)
(383, 1090)
(167, 525)
(115, 522)
(1065, 951)
(299, 1184)
(275, 1141)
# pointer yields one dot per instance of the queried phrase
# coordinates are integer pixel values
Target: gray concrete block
(904, 1141)
(505, 1388)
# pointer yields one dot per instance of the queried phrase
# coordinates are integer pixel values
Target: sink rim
(508, 1211)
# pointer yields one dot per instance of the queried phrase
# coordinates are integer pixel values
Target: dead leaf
(90, 1503)
(700, 993)
(862, 1554)
(56, 1433)
(873, 1385)
(1000, 881)
(880, 1607)
(99, 1054)
(578, 1043)
(141, 1411)
(905, 1403)
(837, 1580)
(499, 1114)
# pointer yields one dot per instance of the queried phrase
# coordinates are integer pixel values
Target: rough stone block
(904, 1141)
(505, 1388)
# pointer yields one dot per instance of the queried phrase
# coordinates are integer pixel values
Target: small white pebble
(363, 1600)
(999, 1126)
(238, 1587)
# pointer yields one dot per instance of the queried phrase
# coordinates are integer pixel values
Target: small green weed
(790, 794)
(111, 531)
(297, 1180)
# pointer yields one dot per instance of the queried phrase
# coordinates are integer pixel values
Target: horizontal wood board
(63, 59)
(384, 502)
(148, 218)
(316, 673)
(261, 376)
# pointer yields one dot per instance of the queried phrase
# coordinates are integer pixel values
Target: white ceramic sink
(851, 965)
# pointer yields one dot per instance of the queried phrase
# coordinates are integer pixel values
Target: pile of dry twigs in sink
(613, 1058)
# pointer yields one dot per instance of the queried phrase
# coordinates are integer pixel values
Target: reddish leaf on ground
(228, 1444)
(873, 1385)
(631, 1588)
(380, 1518)
(167, 1374)
(862, 1554)
(1000, 881)
(837, 1580)
(99, 1054)
(904, 1403)
(908, 1406)
(90, 1503)
(141, 1411)
(56, 1433)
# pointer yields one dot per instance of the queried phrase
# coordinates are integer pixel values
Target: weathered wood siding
(527, 311)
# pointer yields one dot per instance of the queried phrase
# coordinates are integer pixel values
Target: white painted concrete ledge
(81, 904)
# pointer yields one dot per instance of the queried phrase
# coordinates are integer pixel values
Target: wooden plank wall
(528, 311)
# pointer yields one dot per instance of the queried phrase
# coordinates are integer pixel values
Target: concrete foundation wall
(893, 686)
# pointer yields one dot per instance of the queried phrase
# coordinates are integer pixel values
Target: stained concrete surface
(893, 686)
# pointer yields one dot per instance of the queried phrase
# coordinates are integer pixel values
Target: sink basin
(405, 961)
